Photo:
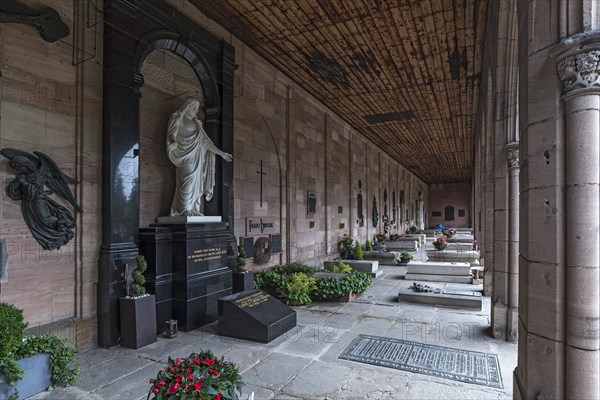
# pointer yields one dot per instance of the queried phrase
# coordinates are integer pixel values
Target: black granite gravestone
(254, 315)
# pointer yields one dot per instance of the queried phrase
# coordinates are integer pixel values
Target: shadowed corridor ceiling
(404, 73)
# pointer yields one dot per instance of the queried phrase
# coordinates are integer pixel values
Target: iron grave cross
(261, 173)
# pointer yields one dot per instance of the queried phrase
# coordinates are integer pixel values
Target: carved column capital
(578, 63)
(512, 155)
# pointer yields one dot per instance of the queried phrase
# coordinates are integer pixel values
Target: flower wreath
(263, 247)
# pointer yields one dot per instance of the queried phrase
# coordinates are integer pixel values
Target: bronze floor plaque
(459, 365)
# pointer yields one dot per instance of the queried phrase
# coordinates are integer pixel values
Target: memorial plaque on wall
(254, 315)
(276, 243)
(260, 226)
(248, 243)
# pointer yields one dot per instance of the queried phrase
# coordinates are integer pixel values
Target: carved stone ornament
(46, 20)
(512, 155)
(50, 223)
(580, 71)
(578, 62)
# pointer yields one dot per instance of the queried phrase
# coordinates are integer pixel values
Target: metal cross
(261, 173)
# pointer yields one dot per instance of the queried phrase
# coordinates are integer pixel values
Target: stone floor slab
(318, 380)
(276, 370)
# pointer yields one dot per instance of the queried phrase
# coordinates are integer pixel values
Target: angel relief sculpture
(49, 222)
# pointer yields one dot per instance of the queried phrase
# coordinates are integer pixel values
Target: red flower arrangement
(440, 243)
(199, 376)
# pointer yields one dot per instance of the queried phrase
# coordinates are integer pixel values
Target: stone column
(512, 314)
(505, 297)
(420, 223)
(578, 59)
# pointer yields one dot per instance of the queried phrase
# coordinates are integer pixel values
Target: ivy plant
(15, 345)
(356, 282)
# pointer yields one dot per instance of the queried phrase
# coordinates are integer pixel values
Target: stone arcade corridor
(302, 129)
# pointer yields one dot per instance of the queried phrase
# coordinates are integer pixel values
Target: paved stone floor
(304, 364)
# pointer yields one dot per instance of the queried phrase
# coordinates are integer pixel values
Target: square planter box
(37, 378)
(138, 321)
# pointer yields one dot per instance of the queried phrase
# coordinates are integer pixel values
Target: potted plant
(449, 232)
(358, 253)
(197, 376)
(405, 256)
(440, 243)
(368, 246)
(394, 237)
(242, 279)
(346, 247)
(31, 364)
(137, 310)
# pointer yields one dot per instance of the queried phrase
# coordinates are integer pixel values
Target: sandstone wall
(457, 195)
(51, 102)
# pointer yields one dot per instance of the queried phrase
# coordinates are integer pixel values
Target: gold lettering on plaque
(207, 254)
(252, 300)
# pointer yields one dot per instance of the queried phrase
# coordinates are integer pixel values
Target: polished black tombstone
(155, 245)
(200, 275)
(254, 315)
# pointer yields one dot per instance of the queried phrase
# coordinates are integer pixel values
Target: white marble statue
(193, 153)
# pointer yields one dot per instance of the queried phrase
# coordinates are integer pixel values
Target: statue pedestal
(183, 219)
(198, 275)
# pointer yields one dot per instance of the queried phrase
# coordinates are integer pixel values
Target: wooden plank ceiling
(404, 73)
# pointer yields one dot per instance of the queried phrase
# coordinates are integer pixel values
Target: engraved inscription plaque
(461, 365)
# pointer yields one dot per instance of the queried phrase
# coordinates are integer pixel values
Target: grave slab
(447, 298)
(460, 246)
(402, 244)
(384, 258)
(439, 268)
(254, 315)
(470, 256)
(371, 267)
(438, 278)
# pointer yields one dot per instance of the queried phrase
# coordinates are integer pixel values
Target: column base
(505, 323)
(517, 390)
(487, 283)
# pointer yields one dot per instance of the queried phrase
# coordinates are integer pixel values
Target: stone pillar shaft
(512, 323)
(578, 60)
(506, 258)
(583, 245)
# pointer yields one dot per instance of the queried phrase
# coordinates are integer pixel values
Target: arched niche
(168, 81)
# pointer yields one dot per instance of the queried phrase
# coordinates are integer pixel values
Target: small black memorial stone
(254, 315)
